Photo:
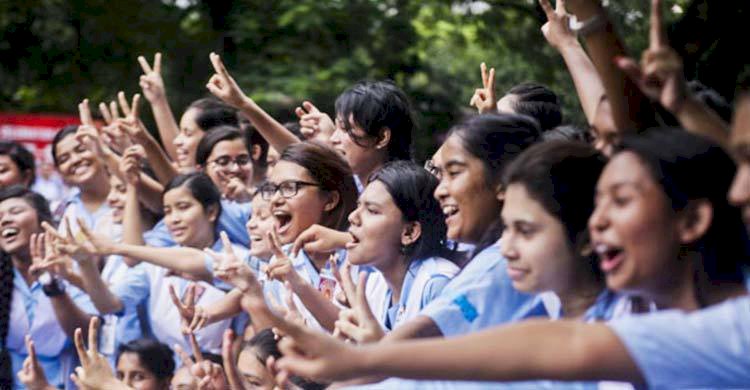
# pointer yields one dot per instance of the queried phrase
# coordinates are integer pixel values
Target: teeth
(9, 232)
(601, 249)
(450, 210)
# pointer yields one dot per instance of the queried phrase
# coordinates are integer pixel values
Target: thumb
(310, 107)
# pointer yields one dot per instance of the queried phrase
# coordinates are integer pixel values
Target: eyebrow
(451, 163)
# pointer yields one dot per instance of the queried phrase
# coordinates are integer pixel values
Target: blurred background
(53, 53)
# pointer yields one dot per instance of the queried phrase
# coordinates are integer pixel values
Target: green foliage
(53, 53)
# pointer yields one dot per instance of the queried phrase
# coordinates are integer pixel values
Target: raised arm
(223, 86)
(583, 72)
(153, 89)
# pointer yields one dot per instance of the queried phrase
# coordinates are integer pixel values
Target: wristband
(54, 288)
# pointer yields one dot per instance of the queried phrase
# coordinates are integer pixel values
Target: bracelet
(594, 24)
(54, 289)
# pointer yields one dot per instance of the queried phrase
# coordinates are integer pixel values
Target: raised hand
(151, 81)
(484, 98)
(660, 74)
(32, 374)
(185, 306)
(130, 164)
(88, 134)
(314, 124)
(46, 258)
(320, 239)
(357, 323)
(230, 361)
(131, 124)
(281, 267)
(237, 190)
(557, 29)
(229, 268)
(209, 374)
(94, 372)
(223, 86)
(91, 245)
(111, 134)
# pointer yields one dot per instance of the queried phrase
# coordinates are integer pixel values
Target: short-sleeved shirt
(32, 313)
(705, 348)
(479, 296)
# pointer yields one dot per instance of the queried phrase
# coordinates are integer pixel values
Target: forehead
(115, 181)
(249, 364)
(453, 149)
(129, 361)
(67, 144)
(518, 204)
(179, 194)
(377, 192)
(740, 136)
(13, 202)
(188, 118)
(286, 170)
(229, 148)
(6, 160)
(625, 168)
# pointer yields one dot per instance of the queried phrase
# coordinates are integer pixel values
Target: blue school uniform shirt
(232, 220)
(479, 296)
(705, 348)
(32, 313)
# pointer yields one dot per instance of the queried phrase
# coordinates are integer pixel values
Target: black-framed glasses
(434, 170)
(226, 161)
(287, 189)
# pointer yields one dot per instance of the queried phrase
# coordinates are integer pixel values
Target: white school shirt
(32, 313)
(423, 282)
(150, 284)
(98, 221)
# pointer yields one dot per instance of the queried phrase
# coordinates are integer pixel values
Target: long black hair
(39, 203)
(23, 159)
(155, 356)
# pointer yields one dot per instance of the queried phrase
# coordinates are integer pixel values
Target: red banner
(35, 131)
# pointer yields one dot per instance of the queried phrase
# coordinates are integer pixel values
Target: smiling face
(294, 215)
(468, 203)
(189, 223)
(603, 129)
(116, 198)
(376, 226)
(254, 373)
(186, 141)
(10, 174)
(77, 164)
(633, 228)
(739, 194)
(535, 244)
(228, 152)
(258, 227)
(131, 372)
(362, 159)
(18, 221)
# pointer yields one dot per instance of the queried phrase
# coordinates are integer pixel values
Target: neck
(319, 260)
(364, 174)
(94, 194)
(394, 273)
(207, 242)
(580, 292)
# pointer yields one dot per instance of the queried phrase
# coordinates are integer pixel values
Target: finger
(114, 110)
(85, 113)
(275, 247)
(144, 65)
(31, 349)
(80, 348)
(560, 7)
(104, 110)
(84, 228)
(226, 243)
(300, 242)
(187, 361)
(347, 284)
(134, 106)
(218, 65)
(174, 297)
(309, 107)
(547, 8)
(69, 232)
(483, 68)
(363, 304)
(124, 106)
(51, 230)
(348, 329)
(658, 34)
(189, 298)
(94, 335)
(491, 81)
(195, 347)
(299, 112)
(289, 297)
(196, 321)
(157, 63)
(630, 68)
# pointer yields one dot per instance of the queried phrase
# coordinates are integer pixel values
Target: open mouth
(80, 167)
(256, 238)
(450, 210)
(610, 257)
(354, 242)
(283, 219)
(178, 231)
(9, 232)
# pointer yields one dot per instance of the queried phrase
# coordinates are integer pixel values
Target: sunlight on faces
(535, 245)
(376, 226)
(10, 174)
(183, 380)
(116, 198)
(469, 205)
(188, 222)
(18, 221)
(131, 372)
(221, 175)
(186, 141)
(77, 164)
(633, 227)
(258, 226)
(362, 159)
(295, 214)
(254, 373)
(739, 194)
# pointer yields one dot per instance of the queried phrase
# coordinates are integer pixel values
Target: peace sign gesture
(660, 74)
(357, 323)
(281, 267)
(209, 375)
(557, 29)
(314, 124)
(151, 81)
(229, 268)
(32, 374)
(223, 86)
(484, 98)
(94, 372)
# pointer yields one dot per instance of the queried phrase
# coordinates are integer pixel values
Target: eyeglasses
(226, 161)
(431, 168)
(288, 189)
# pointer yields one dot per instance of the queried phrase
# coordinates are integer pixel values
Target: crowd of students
(244, 253)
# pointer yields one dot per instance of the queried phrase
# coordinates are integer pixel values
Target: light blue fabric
(74, 208)
(432, 290)
(57, 364)
(706, 348)
(479, 296)
(128, 325)
(232, 220)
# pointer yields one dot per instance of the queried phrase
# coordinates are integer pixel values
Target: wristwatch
(586, 27)
(54, 288)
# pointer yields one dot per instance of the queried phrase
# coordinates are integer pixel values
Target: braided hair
(39, 203)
